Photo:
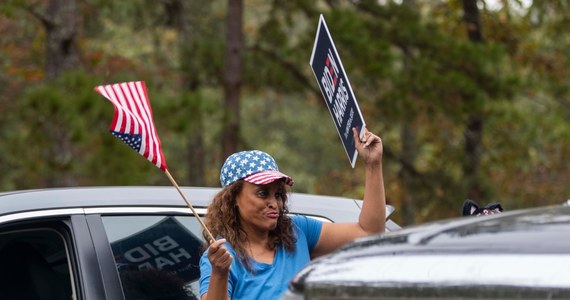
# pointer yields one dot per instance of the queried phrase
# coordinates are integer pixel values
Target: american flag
(133, 122)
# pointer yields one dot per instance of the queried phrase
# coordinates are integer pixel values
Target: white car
(117, 242)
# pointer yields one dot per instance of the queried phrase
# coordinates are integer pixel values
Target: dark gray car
(522, 254)
(117, 242)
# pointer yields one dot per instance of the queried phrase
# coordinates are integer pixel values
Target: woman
(260, 247)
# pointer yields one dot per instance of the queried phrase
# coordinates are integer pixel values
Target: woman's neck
(260, 251)
(258, 245)
(255, 235)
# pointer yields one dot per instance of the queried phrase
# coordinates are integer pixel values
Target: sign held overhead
(335, 87)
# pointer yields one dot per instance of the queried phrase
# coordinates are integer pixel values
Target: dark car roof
(524, 248)
(84, 197)
(512, 232)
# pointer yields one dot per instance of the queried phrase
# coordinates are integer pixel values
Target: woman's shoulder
(303, 222)
(296, 218)
(299, 220)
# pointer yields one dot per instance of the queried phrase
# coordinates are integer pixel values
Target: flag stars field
(133, 140)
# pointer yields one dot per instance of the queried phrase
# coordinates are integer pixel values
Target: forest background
(471, 98)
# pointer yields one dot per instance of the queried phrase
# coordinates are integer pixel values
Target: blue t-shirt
(269, 281)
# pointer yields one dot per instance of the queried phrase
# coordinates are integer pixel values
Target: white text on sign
(162, 252)
(330, 76)
(330, 79)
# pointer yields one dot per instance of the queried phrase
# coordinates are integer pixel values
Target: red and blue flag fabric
(133, 122)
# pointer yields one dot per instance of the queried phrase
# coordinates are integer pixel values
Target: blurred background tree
(471, 97)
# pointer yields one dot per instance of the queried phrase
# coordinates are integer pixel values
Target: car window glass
(157, 256)
(34, 265)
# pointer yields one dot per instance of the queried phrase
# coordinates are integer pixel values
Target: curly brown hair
(222, 219)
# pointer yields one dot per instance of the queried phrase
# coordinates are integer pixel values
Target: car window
(157, 256)
(34, 265)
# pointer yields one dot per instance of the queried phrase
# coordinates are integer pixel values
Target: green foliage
(417, 78)
(58, 136)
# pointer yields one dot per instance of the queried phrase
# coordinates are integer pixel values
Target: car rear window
(157, 256)
(34, 264)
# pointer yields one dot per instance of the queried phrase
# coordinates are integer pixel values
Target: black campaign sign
(336, 89)
(166, 246)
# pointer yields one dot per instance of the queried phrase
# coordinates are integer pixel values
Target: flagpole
(212, 239)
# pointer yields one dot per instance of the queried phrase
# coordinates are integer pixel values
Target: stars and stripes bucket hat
(253, 166)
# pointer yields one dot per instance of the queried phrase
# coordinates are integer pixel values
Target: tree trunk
(472, 20)
(409, 153)
(180, 13)
(409, 149)
(474, 129)
(233, 76)
(60, 23)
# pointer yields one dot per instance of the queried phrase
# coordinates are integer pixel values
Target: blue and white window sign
(336, 89)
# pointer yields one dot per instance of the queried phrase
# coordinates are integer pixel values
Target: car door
(100, 254)
(148, 253)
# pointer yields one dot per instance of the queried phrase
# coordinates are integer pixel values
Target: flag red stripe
(126, 92)
(154, 145)
(141, 119)
(267, 177)
(120, 125)
(123, 124)
(124, 98)
(160, 155)
(125, 120)
(153, 149)
(143, 103)
(118, 114)
(133, 122)
(133, 105)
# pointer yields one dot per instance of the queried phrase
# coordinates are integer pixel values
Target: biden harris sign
(336, 89)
